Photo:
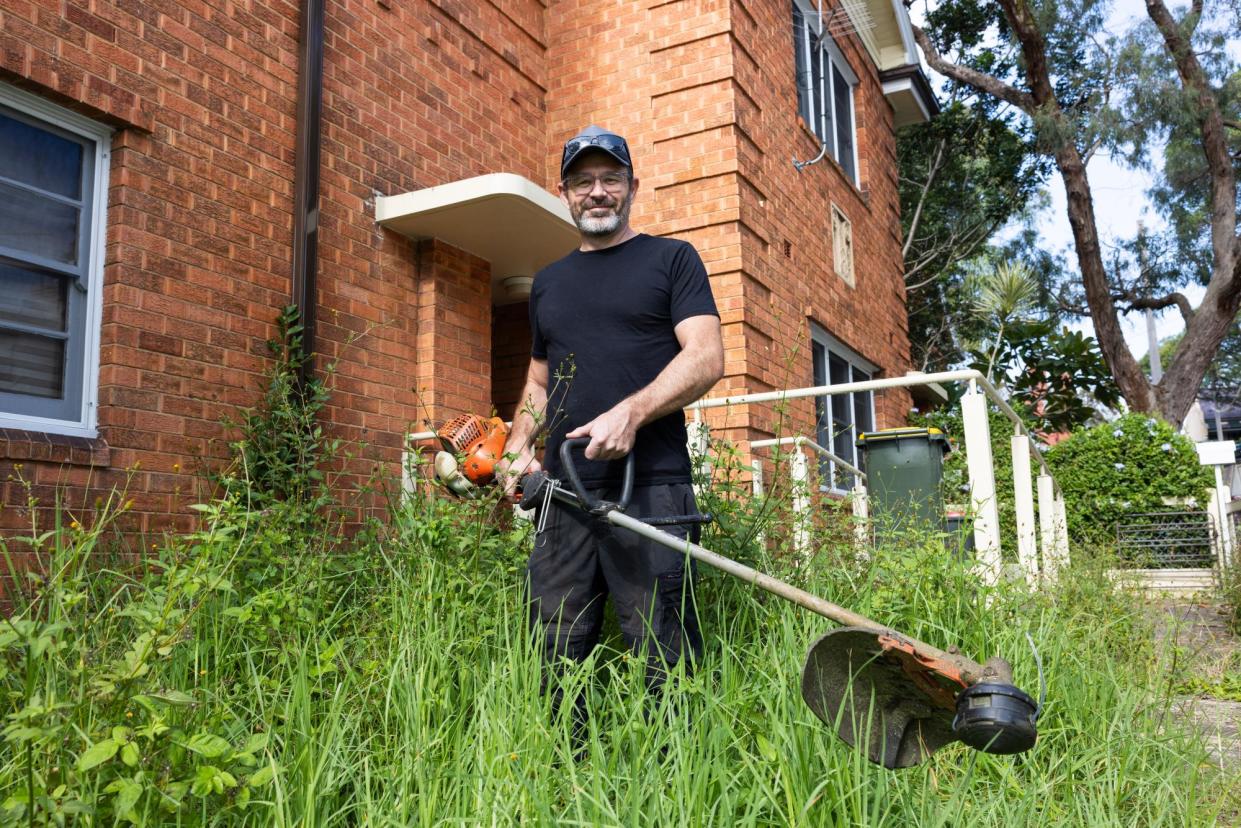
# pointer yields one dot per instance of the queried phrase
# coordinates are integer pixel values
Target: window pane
(31, 364)
(842, 420)
(30, 298)
(819, 355)
(38, 225)
(827, 132)
(39, 158)
(816, 75)
(822, 409)
(804, 80)
(862, 404)
(842, 98)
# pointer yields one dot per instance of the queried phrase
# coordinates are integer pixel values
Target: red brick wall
(704, 90)
(199, 221)
(419, 93)
(510, 356)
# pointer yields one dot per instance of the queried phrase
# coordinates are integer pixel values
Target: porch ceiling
(504, 218)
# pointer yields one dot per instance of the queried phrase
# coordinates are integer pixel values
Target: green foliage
(1227, 687)
(268, 669)
(1230, 589)
(107, 715)
(405, 691)
(1057, 376)
(1133, 465)
(1123, 94)
(964, 175)
(280, 454)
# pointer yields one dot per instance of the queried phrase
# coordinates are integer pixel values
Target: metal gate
(1166, 540)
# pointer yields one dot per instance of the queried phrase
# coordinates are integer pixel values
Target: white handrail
(907, 381)
(803, 440)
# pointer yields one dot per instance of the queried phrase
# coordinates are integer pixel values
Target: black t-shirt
(604, 322)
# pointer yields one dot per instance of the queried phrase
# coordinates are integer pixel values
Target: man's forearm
(690, 375)
(528, 419)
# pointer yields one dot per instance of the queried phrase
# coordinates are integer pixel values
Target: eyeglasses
(583, 183)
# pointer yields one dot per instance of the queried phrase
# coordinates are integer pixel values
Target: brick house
(158, 208)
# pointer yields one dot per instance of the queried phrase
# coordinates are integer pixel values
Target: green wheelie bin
(904, 467)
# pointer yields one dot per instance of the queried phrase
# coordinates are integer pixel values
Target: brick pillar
(453, 368)
(510, 356)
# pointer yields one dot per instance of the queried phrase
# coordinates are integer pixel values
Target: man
(625, 335)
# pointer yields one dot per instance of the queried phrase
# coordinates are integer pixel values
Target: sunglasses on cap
(613, 145)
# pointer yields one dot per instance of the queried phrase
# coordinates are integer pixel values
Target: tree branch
(1159, 303)
(932, 171)
(1211, 122)
(971, 77)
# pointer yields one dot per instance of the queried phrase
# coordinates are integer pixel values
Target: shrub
(1133, 465)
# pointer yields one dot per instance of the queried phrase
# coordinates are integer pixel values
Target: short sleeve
(691, 289)
(538, 347)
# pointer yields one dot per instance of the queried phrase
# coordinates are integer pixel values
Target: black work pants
(579, 560)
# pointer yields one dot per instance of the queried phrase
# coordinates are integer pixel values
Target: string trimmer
(897, 698)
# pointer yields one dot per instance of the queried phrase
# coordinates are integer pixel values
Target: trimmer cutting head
(880, 694)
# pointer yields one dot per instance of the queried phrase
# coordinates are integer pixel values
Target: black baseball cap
(594, 138)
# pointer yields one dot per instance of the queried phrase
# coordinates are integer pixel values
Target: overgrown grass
(266, 672)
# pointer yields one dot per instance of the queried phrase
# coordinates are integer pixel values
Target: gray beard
(604, 225)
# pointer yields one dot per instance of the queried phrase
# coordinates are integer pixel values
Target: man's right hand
(509, 472)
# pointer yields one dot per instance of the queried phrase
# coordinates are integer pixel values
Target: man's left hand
(611, 433)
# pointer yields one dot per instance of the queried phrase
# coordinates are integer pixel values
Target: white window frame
(832, 479)
(85, 424)
(831, 56)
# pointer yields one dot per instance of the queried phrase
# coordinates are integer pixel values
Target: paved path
(1209, 650)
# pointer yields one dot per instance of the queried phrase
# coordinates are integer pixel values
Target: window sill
(863, 194)
(37, 446)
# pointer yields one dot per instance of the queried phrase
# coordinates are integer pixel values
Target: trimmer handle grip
(591, 504)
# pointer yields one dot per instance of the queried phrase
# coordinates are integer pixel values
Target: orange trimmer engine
(478, 442)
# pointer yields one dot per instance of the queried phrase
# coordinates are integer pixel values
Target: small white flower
(1116, 432)
(1166, 447)
(1119, 466)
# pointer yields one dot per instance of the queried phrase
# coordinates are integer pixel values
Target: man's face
(598, 191)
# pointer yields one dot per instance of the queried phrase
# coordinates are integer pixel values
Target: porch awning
(504, 218)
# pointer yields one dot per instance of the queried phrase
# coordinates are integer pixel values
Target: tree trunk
(1134, 385)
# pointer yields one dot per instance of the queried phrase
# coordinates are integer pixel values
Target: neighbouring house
(1216, 415)
(174, 173)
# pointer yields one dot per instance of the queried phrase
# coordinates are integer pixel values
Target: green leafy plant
(280, 455)
(1133, 465)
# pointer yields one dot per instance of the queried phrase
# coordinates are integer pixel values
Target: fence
(1162, 540)
(1042, 530)
(1041, 526)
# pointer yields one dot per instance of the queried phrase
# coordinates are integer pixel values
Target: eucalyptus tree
(1163, 96)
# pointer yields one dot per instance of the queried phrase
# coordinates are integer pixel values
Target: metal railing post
(1047, 528)
(756, 486)
(1023, 497)
(982, 484)
(698, 438)
(861, 520)
(799, 473)
(1061, 533)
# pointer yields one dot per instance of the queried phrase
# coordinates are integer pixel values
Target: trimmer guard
(875, 688)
